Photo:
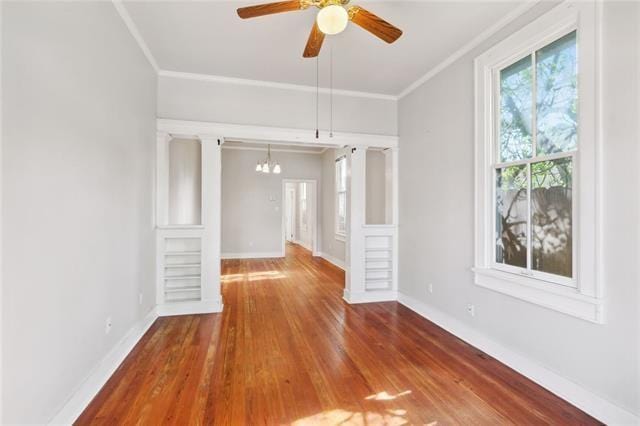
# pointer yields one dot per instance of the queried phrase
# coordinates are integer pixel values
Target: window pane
(342, 212)
(557, 96)
(551, 217)
(342, 174)
(511, 215)
(515, 111)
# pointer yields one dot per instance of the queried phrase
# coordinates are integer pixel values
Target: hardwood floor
(288, 350)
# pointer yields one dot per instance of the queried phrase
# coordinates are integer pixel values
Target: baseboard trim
(253, 255)
(333, 260)
(190, 308)
(372, 296)
(89, 388)
(573, 393)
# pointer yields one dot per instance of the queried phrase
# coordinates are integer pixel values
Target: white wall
(78, 144)
(252, 202)
(232, 103)
(375, 188)
(436, 221)
(185, 182)
(334, 248)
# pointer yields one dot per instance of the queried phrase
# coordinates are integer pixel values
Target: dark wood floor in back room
(288, 350)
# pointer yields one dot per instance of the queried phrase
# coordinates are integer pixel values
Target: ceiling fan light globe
(332, 19)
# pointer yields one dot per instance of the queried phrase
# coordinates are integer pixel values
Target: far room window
(341, 196)
(536, 227)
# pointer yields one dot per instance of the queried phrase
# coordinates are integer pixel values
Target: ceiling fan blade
(314, 43)
(374, 24)
(269, 9)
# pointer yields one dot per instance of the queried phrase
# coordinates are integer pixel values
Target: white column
(211, 221)
(388, 186)
(394, 202)
(355, 283)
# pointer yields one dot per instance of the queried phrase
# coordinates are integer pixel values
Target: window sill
(341, 237)
(552, 296)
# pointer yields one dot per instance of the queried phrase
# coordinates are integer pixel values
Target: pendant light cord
(317, 95)
(330, 89)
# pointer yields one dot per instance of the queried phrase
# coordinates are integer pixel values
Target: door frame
(313, 213)
(291, 191)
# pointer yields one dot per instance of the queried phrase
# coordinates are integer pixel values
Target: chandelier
(268, 165)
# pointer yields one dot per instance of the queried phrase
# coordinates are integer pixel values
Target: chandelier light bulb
(276, 169)
(332, 19)
(258, 167)
(265, 167)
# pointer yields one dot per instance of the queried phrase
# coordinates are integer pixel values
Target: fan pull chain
(317, 95)
(330, 89)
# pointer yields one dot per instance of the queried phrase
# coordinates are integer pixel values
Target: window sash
(535, 158)
(529, 271)
(340, 192)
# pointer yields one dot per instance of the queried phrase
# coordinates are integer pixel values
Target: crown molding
(133, 29)
(507, 19)
(272, 84)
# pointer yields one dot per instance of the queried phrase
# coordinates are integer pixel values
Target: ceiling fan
(331, 19)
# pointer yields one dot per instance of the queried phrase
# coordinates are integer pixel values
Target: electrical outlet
(140, 298)
(107, 326)
(430, 288)
(471, 309)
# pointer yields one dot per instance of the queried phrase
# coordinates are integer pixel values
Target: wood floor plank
(288, 350)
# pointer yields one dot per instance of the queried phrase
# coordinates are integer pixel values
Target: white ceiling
(209, 38)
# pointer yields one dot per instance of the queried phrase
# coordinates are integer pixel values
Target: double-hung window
(341, 197)
(536, 139)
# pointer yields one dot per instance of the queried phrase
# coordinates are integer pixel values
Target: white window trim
(585, 300)
(340, 236)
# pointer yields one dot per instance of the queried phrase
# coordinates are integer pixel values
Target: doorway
(290, 211)
(299, 215)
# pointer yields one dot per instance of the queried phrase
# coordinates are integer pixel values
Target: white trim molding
(133, 29)
(333, 260)
(190, 307)
(226, 146)
(135, 32)
(506, 20)
(89, 388)
(571, 392)
(273, 85)
(370, 296)
(273, 135)
(582, 295)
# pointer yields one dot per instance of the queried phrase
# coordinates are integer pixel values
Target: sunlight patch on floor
(344, 417)
(254, 276)
(384, 396)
